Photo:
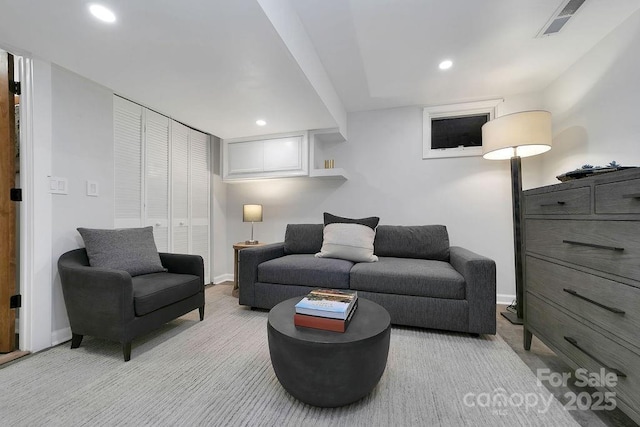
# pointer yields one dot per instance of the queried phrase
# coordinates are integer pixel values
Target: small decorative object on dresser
(582, 277)
(588, 170)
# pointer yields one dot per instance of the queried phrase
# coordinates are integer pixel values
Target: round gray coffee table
(324, 368)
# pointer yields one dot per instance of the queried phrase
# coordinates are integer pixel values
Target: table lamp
(251, 213)
(514, 136)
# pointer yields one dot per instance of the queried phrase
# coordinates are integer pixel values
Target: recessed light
(102, 13)
(445, 65)
(261, 122)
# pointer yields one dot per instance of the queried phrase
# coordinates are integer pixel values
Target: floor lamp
(514, 136)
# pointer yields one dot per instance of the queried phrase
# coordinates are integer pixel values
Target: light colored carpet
(218, 372)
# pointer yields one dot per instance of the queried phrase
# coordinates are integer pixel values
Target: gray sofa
(419, 278)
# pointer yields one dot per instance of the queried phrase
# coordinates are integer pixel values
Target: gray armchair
(111, 304)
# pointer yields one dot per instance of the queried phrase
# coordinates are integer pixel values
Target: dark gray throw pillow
(129, 249)
(371, 222)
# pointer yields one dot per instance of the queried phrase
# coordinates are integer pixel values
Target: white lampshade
(523, 134)
(252, 213)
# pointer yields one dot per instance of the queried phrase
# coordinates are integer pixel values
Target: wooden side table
(236, 248)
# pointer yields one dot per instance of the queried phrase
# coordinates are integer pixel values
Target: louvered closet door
(127, 163)
(179, 188)
(157, 177)
(200, 169)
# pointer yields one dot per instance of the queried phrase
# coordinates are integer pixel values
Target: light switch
(58, 185)
(92, 188)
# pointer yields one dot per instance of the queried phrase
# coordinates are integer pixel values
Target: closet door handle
(606, 307)
(593, 245)
(544, 205)
(631, 196)
(574, 343)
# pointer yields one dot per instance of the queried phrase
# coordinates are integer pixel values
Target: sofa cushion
(419, 241)
(352, 242)
(129, 249)
(157, 290)
(419, 277)
(306, 270)
(303, 238)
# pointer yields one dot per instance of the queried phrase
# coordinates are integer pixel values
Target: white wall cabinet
(273, 156)
(162, 179)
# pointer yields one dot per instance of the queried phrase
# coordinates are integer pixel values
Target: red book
(324, 323)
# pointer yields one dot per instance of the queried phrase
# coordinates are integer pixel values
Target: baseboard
(223, 278)
(59, 336)
(505, 299)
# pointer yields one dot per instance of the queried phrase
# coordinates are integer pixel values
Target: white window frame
(453, 111)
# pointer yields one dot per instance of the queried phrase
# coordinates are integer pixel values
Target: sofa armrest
(183, 264)
(479, 274)
(248, 261)
(99, 301)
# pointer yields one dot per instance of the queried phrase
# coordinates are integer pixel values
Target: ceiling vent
(567, 9)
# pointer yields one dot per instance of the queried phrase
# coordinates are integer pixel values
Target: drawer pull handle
(574, 343)
(631, 196)
(544, 205)
(606, 307)
(592, 245)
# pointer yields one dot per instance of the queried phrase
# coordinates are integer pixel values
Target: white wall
(82, 149)
(389, 179)
(594, 106)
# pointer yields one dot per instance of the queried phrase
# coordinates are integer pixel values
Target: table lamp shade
(523, 134)
(251, 213)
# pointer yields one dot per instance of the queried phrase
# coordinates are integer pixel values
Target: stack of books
(327, 309)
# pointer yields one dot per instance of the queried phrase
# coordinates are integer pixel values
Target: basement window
(455, 130)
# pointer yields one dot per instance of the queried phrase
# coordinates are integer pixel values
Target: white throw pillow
(353, 242)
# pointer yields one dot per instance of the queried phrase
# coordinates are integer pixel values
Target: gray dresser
(582, 276)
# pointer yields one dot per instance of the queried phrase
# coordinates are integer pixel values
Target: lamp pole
(516, 193)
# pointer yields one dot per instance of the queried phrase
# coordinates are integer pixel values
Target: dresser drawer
(586, 347)
(618, 197)
(611, 305)
(609, 246)
(574, 201)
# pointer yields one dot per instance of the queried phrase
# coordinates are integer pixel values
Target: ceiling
(219, 65)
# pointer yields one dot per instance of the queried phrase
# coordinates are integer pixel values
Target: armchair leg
(126, 351)
(76, 339)
(201, 310)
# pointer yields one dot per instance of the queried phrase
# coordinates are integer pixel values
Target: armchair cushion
(157, 290)
(129, 249)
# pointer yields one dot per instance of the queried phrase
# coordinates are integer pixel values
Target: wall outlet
(92, 188)
(58, 185)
